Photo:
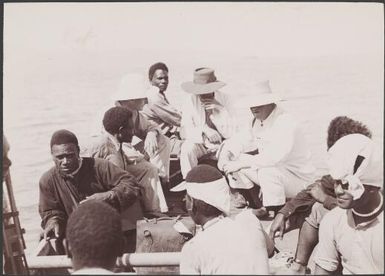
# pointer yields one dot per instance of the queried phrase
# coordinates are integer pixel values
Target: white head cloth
(342, 157)
(215, 193)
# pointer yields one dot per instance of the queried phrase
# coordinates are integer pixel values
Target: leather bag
(164, 234)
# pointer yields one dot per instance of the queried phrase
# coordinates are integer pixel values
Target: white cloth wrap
(215, 193)
(342, 157)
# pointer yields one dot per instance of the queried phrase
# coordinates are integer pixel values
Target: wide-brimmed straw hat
(258, 94)
(204, 82)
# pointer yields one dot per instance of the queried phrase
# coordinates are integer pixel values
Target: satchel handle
(155, 220)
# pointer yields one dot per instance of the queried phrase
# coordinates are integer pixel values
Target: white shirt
(280, 142)
(194, 117)
(360, 248)
(227, 246)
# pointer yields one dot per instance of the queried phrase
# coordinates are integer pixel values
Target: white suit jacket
(194, 118)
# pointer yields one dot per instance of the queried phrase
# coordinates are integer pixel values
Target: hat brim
(180, 187)
(199, 89)
(250, 101)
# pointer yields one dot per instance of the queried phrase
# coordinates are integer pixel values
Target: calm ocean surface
(50, 91)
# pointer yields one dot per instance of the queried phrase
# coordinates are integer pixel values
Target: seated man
(224, 245)
(118, 123)
(206, 118)
(94, 238)
(271, 152)
(308, 207)
(352, 234)
(148, 139)
(74, 180)
(159, 110)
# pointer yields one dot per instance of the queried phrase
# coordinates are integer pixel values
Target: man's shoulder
(247, 216)
(286, 120)
(49, 174)
(335, 216)
(48, 177)
(98, 146)
(287, 117)
(100, 140)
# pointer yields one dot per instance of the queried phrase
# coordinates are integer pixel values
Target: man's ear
(67, 248)
(119, 135)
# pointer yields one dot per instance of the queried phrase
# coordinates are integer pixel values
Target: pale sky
(263, 29)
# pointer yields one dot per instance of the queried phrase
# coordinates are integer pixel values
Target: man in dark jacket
(74, 180)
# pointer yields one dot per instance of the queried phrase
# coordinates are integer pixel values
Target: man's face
(261, 112)
(344, 198)
(207, 98)
(160, 80)
(66, 157)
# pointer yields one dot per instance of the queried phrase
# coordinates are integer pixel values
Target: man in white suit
(206, 118)
(270, 152)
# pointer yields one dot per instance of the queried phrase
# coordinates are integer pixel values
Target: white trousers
(277, 183)
(161, 158)
(153, 199)
(189, 155)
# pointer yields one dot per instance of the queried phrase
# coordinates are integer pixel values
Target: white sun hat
(131, 92)
(258, 94)
(132, 86)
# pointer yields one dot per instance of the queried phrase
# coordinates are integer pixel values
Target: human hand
(212, 135)
(52, 230)
(211, 104)
(278, 226)
(151, 143)
(317, 192)
(104, 196)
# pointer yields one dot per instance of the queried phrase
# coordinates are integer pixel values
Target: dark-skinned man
(74, 180)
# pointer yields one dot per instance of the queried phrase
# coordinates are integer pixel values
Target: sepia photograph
(193, 138)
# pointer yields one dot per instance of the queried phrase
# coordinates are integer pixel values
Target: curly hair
(94, 234)
(342, 126)
(156, 66)
(63, 136)
(116, 117)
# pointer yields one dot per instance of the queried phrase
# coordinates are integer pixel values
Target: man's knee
(269, 176)
(150, 168)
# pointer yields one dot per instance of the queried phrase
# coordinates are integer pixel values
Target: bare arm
(269, 245)
(124, 185)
